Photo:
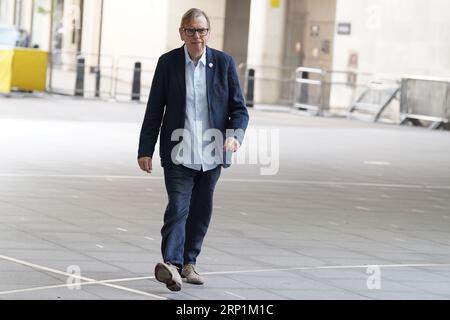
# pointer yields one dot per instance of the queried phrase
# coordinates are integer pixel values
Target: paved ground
(347, 195)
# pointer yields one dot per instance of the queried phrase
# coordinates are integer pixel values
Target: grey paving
(347, 195)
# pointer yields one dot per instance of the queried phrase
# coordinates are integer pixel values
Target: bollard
(136, 90)
(304, 96)
(97, 81)
(250, 87)
(79, 83)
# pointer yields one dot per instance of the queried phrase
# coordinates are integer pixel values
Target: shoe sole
(164, 275)
(193, 282)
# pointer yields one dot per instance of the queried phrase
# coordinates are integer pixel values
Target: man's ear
(181, 34)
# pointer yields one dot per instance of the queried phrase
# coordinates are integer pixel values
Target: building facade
(271, 36)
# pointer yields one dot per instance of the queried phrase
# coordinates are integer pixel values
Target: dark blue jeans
(188, 212)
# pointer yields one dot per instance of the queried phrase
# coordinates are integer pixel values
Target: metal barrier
(72, 73)
(373, 101)
(127, 71)
(363, 97)
(425, 99)
(308, 90)
(317, 90)
(271, 85)
(343, 87)
(79, 74)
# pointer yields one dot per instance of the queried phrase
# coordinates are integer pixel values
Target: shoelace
(190, 266)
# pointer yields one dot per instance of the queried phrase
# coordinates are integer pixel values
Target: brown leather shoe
(191, 275)
(167, 273)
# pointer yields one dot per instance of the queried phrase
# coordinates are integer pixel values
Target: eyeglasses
(191, 31)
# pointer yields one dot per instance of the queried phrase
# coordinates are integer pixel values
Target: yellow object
(23, 68)
(275, 3)
(6, 58)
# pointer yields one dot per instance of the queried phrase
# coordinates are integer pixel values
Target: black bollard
(79, 83)
(250, 87)
(136, 90)
(97, 81)
(304, 93)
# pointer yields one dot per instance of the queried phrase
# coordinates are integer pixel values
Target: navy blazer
(166, 106)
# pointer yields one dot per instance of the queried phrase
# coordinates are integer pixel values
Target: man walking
(195, 89)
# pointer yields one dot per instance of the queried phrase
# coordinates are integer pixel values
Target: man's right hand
(145, 163)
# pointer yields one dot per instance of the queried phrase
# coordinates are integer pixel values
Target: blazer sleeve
(154, 112)
(237, 111)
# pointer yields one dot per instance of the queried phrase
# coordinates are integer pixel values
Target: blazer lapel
(180, 71)
(210, 72)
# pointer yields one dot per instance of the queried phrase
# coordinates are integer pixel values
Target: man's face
(196, 43)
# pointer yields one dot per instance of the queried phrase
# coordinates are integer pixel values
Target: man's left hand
(231, 144)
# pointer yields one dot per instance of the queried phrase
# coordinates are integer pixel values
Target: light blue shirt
(197, 116)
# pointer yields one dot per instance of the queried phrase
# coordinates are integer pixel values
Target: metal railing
(72, 73)
(79, 74)
(133, 76)
(344, 87)
(308, 90)
(425, 99)
(363, 95)
(374, 100)
(267, 85)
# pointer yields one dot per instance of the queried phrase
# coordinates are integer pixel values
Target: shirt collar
(188, 59)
